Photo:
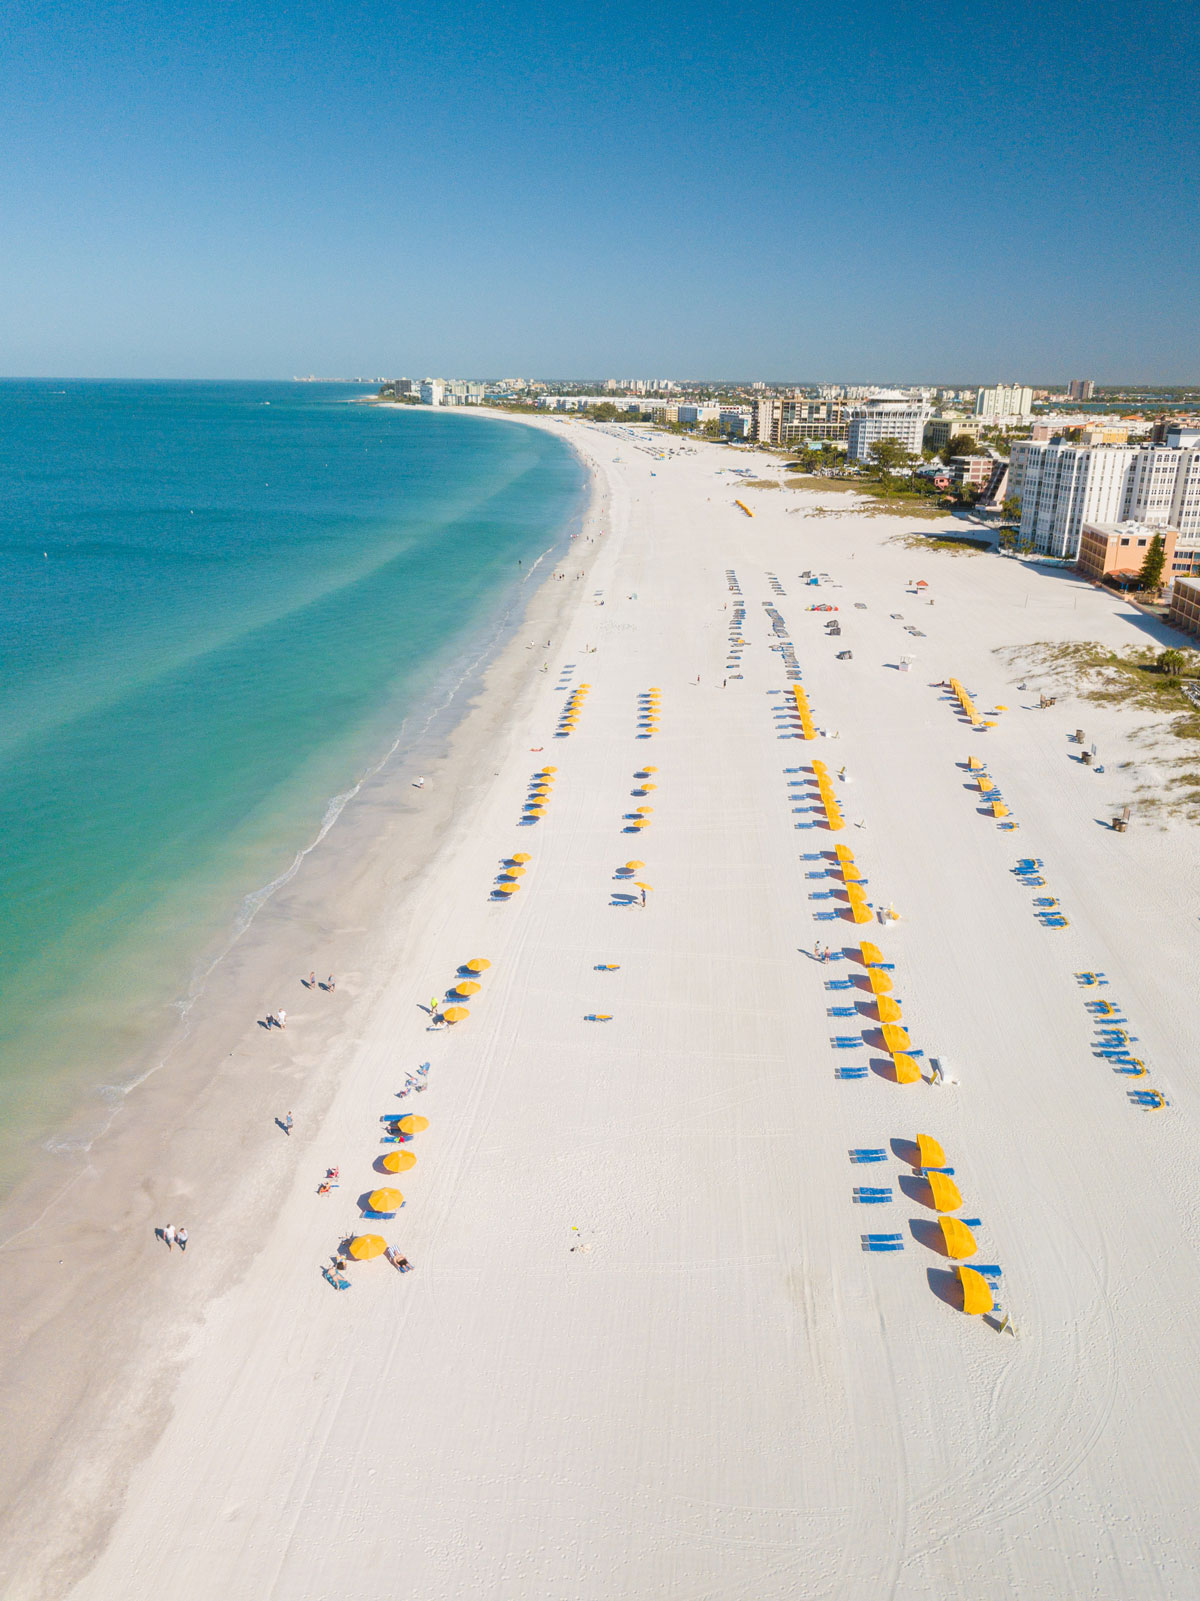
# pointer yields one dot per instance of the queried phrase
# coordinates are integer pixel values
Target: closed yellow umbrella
(944, 1191)
(871, 954)
(977, 1297)
(905, 1068)
(929, 1152)
(895, 1038)
(399, 1161)
(634, 865)
(413, 1123)
(468, 987)
(958, 1237)
(455, 1014)
(889, 1010)
(385, 1200)
(478, 964)
(365, 1246)
(881, 983)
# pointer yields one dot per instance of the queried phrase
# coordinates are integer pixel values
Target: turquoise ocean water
(220, 604)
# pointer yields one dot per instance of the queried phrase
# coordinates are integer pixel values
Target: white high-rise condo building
(1062, 486)
(431, 392)
(1005, 400)
(888, 415)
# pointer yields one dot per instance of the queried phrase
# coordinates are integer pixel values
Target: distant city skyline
(257, 192)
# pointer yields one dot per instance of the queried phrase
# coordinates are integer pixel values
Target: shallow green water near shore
(220, 604)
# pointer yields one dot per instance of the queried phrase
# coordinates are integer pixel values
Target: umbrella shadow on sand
(946, 1285)
(906, 1151)
(917, 1189)
(928, 1233)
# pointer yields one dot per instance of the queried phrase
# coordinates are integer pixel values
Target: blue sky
(863, 192)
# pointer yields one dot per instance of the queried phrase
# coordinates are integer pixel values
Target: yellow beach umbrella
(649, 769)
(638, 885)
(413, 1123)
(977, 1297)
(469, 987)
(548, 769)
(881, 983)
(480, 964)
(455, 1014)
(515, 871)
(895, 1037)
(647, 787)
(399, 1161)
(535, 811)
(861, 913)
(634, 865)
(906, 1069)
(958, 1237)
(843, 853)
(944, 1191)
(871, 954)
(384, 1200)
(929, 1152)
(644, 810)
(889, 1010)
(365, 1246)
(521, 857)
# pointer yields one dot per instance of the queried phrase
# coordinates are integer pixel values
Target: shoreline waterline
(103, 964)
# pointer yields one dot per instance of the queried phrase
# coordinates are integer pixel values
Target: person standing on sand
(181, 1237)
(329, 984)
(287, 1125)
(168, 1235)
(312, 981)
(282, 1018)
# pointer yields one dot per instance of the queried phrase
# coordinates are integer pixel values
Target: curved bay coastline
(92, 1341)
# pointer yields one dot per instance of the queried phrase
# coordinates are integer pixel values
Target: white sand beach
(643, 1351)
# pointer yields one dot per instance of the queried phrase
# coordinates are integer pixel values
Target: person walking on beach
(329, 984)
(281, 1018)
(286, 1125)
(181, 1237)
(312, 981)
(643, 897)
(168, 1235)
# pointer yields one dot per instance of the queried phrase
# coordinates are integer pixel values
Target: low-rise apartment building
(1117, 550)
(1184, 610)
